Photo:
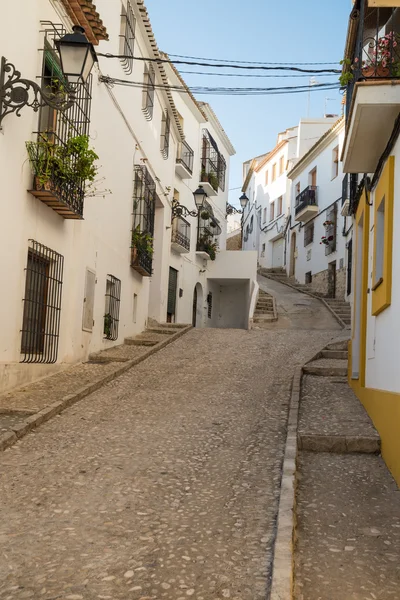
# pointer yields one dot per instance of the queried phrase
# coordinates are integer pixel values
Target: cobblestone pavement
(348, 528)
(164, 484)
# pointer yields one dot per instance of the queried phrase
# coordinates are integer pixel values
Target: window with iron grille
(111, 312)
(42, 304)
(148, 91)
(144, 200)
(60, 129)
(127, 38)
(309, 234)
(165, 131)
(221, 171)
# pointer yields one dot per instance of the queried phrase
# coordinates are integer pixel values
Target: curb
(282, 566)
(19, 431)
(338, 319)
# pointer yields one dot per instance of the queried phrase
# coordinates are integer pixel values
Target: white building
(268, 189)
(318, 233)
(84, 267)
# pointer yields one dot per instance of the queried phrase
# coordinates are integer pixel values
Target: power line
(220, 65)
(253, 62)
(222, 90)
(247, 74)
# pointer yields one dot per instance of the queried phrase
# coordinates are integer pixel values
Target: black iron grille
(185, 156)
(165, 131)
(308, 234)
(213, 164)
(144, 199)
(330, 230)
(127, 38)
(60, 128)
(42, 304)
(181, 232)
(308, 197)
(111, 313)
(148, 91)
(209, 303)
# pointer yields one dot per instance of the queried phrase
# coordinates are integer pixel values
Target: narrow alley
(164, 483)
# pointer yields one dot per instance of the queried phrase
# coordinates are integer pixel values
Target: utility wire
(246, 74)
(220, 90)
(253, 62)
(220, 65)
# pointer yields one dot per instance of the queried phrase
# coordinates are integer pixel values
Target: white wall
(312, 257)
(383, 331)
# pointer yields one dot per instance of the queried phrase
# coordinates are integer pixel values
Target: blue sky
(262, 30)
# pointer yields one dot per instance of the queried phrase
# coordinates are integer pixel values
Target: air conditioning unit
(345, 208)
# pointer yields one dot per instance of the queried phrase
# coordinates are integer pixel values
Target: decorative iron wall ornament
(17, 92)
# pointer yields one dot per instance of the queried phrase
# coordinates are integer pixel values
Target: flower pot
(378, 71)
(37, 185)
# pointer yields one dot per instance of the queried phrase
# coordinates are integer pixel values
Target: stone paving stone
(123, 352)
(40, 394)
(329, 407)
(10, 420)
(348, 527)
(164, 484)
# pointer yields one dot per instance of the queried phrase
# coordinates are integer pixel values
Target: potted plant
(70, 163)
(205, 215)
(325, 240)
(327, 223)
(107, 325)
(213, 180)
(382, 60)
(142, 243)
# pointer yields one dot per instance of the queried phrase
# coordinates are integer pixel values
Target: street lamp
(77, 59)
(179, 210)
(77, 55)
(243, 200)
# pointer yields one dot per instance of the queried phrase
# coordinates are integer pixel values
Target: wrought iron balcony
(180, 236)
(142, 261)
(184, 161)
(209, 176)
(207, 233)
(306, 203)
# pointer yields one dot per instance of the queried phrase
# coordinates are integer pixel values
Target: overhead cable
(252, 62)
(220, 65)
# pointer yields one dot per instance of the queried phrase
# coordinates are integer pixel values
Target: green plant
(211, 249)
(72, 162)
(107, 325)
(213, 180)
(205, 215)
(347, 76)
(142, 241)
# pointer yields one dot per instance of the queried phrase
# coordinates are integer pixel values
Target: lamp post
(77, 57)
(243, 203)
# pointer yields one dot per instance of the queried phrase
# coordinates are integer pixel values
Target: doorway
(292, 268)
(197, 314)
(332, 279)
(172, 291)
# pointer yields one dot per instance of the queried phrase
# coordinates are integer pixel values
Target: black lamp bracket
(179, 210)
(16, 92)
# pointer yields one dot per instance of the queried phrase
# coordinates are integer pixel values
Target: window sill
(377, 284)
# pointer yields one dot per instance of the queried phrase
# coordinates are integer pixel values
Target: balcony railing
(180, 235)
(142, 261)
(207, 232)
(209, 173)
(349, 188)
(376, 51)
(308, 197)
(185, 156)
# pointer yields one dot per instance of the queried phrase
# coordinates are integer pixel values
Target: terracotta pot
(376, 71)
(42, 186)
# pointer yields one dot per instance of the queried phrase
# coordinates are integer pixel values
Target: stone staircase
(133, 347)
(265, 311)
(332, 419)
(340, 308)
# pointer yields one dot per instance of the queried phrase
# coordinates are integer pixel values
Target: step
(335, 354)
(174, 325)
(140, 342)
(122, 353)
(332, 419)
(347, 538)
(264, 319)
(327, 367)
(339, 345)
(162, 330)
(267, 305)
(264, 312)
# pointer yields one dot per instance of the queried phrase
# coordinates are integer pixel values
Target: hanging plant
(142, 241)
(205, 215)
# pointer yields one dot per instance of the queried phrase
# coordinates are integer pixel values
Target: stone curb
(30, 423)
(338, 319)
(282, 566)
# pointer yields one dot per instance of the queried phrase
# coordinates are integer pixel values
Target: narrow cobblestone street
(164, 483)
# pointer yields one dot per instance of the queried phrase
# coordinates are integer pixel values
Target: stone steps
(325, 367)
(335, 354)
